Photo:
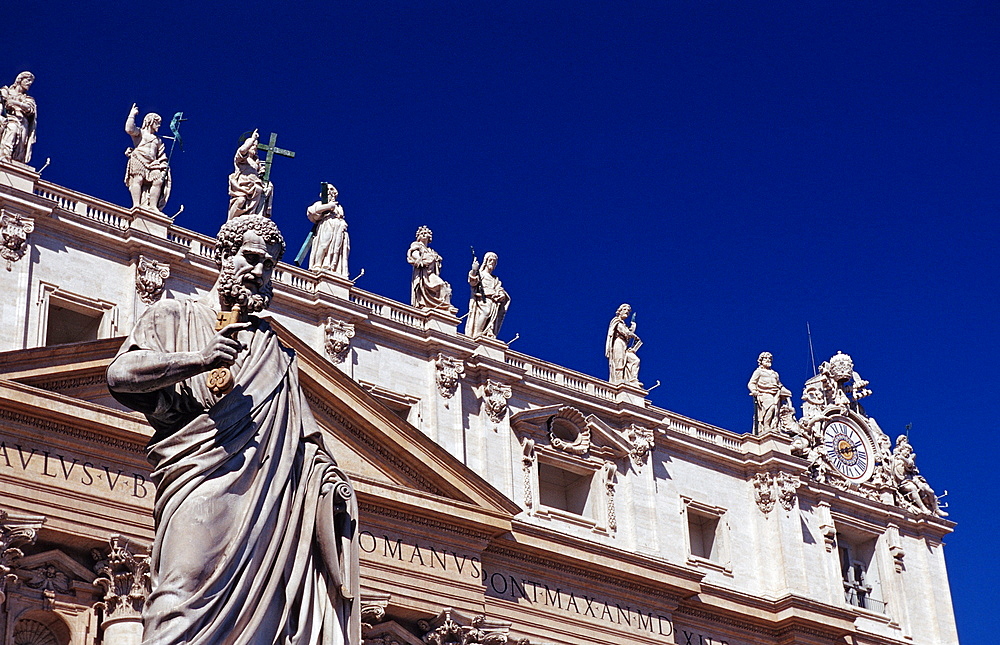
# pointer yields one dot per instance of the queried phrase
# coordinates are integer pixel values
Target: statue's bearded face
(245, 278)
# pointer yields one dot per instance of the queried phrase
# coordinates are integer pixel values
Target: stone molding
(495, 396)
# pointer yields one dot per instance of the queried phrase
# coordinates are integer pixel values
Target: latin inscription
(506, 585)
(49, 466)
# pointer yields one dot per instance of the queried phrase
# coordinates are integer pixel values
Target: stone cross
(271, 147)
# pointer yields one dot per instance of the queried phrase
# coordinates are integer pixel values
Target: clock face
(848, 449)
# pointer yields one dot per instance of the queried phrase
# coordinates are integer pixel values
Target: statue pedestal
(19, 176)
(491, 348)
(630, 394)
(150, 222)
(333, 284)
(442, 321)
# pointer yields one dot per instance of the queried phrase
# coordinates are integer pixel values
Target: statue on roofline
(769, 395)
(620, 348)
(19, 119)
(489, 301)
(427, 289)
(330, 243)
(147, 174)
(249, 194)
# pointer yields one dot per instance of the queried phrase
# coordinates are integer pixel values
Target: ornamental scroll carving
(14, 230)
(642, 443)
(123, 574)
(763, 491)
(337, 338)
(150, 276)
(16, 531)
(448, 372)
(569, 432)
(786, 485)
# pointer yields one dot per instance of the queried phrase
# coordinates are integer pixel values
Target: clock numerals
(846, 450)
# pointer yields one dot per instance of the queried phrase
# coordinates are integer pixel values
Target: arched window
(40, 628)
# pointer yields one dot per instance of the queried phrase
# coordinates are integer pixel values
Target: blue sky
(733, 170)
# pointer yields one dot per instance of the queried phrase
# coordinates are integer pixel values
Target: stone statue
(147, 174)
(912, 489)
(623, 362)
(256, 526)
(249, 194)
(331, 244)
(17, 127)
(427, 289)
(489, 301)
(769, 396)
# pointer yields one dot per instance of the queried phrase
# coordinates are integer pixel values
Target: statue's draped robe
(17, 126)
(248, 194)
(331, 244)
(427, 288)
(487, 306)
(623, 365)
(248, 550)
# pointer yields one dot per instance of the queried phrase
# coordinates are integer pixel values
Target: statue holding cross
(250, 189)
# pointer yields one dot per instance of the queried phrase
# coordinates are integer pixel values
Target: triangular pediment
(388, 459)
(381, 450)
(52, 569)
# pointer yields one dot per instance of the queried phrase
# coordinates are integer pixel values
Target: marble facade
(503, 498)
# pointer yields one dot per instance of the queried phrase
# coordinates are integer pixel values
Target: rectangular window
(859, 572)
(702, 532)
(75, 325)
(565, 490)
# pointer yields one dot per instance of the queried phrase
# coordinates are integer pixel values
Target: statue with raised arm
(769, 396)
(256, 526)
(147, 174)
(18, 120)
(620, 348)
(331, 244)
(249, 194)
(489, 301)
(427, 289)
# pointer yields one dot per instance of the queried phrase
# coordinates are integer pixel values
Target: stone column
(124, 575)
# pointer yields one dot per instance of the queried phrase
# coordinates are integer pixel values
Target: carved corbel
(337, 338)
(609, 471)
(787, 484)
(14, 230)
(642, 444)
(763, 491)
(16, 531)
(448, 372)
(895, 548)
(495, 397)
(826, 526)
(372, 610)
(527, 464)
(123, 574)
(150, 276)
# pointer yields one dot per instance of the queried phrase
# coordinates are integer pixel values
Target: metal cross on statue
(272, 149)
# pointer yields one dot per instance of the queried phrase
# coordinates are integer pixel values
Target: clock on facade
(849, 449)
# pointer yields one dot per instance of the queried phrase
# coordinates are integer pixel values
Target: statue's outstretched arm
(142, 371)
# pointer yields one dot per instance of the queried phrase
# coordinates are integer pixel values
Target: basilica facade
(502, 498)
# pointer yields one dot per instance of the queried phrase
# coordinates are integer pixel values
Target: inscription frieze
(511, 586)
(56, 467)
